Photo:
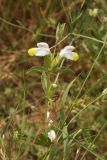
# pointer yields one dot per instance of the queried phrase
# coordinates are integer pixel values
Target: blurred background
(22, 25)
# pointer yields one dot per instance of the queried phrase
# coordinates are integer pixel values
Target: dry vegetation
(22, 25)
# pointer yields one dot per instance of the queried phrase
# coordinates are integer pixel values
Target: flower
(67, 52)
(93, 12)
(42, 49)
(54, 85)
(52, 135)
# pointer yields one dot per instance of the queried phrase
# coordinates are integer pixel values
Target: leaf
(62, 119)
(65, 134)
(36, 69)
(44, 156)
(43, 140)
(65, 94)
(63, 100)
(48, 60)
(89, 150)
(60, 31)
(63, 70)
(53, 149)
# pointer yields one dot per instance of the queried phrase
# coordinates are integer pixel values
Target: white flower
(52, 135)
(67, 52)
(42, 49)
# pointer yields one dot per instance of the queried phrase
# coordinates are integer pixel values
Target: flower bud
(52, 135)
(54, 85)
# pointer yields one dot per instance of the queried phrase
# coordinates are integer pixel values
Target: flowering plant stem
(52, 64)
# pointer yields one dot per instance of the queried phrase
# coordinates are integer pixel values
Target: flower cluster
(43, 49)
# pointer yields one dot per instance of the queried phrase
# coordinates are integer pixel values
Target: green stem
(47, 104)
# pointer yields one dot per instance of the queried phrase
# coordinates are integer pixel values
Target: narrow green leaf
(48, 60)
(63, 70)
(62, 118)
(36, 69)
(60, 31)
(65, 134)
(53, 149)
(65, 94)
(90, 151)
(42, 140)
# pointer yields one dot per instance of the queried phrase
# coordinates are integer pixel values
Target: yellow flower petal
(75, 56)
(31, 51)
